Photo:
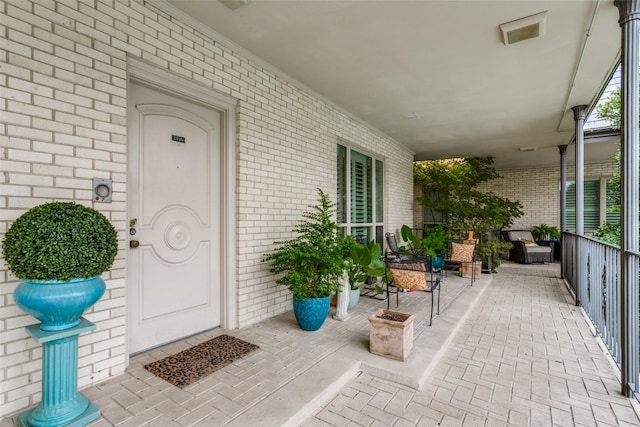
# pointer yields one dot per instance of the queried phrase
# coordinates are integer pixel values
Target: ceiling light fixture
(524, 29)
(527, 148)
(410, 116)
(235, 4)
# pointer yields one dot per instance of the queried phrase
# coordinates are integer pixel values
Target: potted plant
(361, 263)
(310, 263)
(545, 232)
(433, 244)
(59, 250)
(391, 334)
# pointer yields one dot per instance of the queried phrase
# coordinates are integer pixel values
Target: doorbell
(102, 190)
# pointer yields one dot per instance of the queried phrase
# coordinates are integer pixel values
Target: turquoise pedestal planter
(311, 312)
(61, 403)
(58, 305)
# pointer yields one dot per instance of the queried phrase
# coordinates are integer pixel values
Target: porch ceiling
(442, 60)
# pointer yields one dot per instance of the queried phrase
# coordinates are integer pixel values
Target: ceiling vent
(524, 29)
(235, 4)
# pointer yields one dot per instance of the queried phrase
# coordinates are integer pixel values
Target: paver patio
(511, 350)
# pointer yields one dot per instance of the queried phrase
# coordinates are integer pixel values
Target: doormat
(188, 366)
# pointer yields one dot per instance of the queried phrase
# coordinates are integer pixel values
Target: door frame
(149, 75)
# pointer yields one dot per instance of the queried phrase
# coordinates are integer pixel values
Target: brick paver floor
(524, 357)
(511, 350)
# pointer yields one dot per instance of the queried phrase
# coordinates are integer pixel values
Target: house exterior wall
(538, 189)
(64, 97)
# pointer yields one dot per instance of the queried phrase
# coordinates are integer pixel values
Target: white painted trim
(226, 107)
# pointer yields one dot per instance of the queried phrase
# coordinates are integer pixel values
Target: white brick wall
(64, 94)
(539, 191)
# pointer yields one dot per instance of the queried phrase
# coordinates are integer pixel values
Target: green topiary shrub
(60, 241)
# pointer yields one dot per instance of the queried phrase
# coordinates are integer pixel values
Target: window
(360, 195)
(429, 215)
(596, 204)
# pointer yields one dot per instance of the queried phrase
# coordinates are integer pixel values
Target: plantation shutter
(591, 205)
(612, 217)
(379, 192)
(341, 205)
(361, 188)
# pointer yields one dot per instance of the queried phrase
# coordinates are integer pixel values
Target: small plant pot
(354, 297)
(467, 270)
(391, 334)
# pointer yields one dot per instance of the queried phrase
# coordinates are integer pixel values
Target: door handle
(134, 243)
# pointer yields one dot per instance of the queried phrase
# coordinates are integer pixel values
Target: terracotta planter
(391, 338)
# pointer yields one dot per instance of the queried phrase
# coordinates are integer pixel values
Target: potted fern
(545, 232)
(59, 250)
(310, 263)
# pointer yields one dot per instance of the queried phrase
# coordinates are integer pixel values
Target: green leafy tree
(455, 181)
(610, 110)
(461, 204)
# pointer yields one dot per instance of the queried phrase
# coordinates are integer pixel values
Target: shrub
(60, 241)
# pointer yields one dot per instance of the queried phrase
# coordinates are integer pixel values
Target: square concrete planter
(391, 338)
(467, 270)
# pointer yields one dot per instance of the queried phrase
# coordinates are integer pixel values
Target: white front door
(174, 205)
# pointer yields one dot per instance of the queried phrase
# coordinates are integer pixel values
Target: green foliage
(311, 261)
(609, 110)
(60, 241)
(489, 248)
(360, 261)
(545, 232)
(434, 242)
(609, 233)
(459, 202)
(462, 206)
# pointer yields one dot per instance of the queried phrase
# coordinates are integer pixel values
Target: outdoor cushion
(535, 249)
(462, 253)
(410, 277)
(519, 235)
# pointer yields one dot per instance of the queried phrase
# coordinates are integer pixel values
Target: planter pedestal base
(61, 404)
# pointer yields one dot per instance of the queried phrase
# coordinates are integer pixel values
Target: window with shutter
(596, 207)
(360, 194)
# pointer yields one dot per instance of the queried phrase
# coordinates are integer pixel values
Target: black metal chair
(414, 274)
(460, 255)
(392, 251)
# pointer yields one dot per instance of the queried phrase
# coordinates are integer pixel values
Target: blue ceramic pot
(311, 312)
(58, 305)
(354, 296)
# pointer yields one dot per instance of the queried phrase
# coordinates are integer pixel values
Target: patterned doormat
(188, 366)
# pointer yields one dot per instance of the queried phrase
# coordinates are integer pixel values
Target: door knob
(134, 243)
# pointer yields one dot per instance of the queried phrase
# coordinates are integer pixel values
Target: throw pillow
(462, 253)
(410, 279)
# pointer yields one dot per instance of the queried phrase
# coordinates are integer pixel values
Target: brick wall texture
(64, 108)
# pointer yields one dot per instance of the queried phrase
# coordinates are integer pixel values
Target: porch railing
(595, 281)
